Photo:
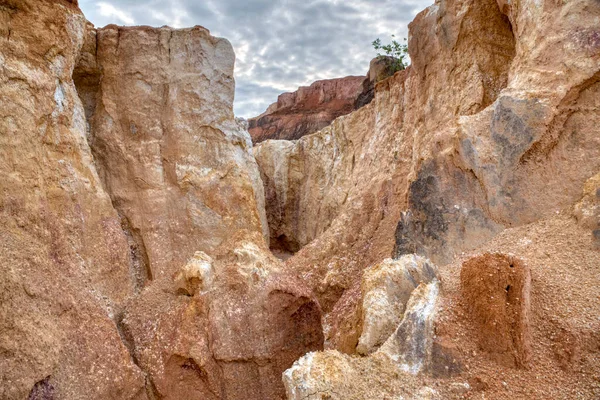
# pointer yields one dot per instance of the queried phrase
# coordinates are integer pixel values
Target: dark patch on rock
(511, 127)
(42, 390)
(444, 361)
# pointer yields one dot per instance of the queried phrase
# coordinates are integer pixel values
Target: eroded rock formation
(129, 188)
(136, 218)
(474, 138)
(306, 110)
(314, 107)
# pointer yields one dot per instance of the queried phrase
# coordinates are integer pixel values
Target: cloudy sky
(280, 44)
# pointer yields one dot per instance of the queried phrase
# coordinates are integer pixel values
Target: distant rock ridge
(311, 108)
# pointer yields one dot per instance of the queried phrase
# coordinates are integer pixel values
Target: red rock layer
(307, 110)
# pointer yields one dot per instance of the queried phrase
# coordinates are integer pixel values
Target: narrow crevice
(129, 343)
(138, 256)
(87, 77)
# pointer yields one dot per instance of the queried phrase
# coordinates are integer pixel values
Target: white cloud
(109, 11)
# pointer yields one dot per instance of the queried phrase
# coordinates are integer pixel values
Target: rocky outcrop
(386, 289)
(133, 225)
(226, 327)
(64, 260)
(441, 161)
(314, 107)
(484, 132)
(134, 250)
(388, 373)
(171, 155)
(307, 110)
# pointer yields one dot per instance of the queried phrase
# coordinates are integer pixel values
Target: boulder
(386, 289)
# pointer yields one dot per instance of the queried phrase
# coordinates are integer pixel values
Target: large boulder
(386, 289)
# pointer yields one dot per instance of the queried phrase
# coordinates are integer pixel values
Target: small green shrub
(395, 49)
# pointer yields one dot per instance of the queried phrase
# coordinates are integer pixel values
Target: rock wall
(171, 155)
(314, 107)
(128, 186)
(488, 129)
(64, 265)
(134, 240)
(468, 141)
(307, 110)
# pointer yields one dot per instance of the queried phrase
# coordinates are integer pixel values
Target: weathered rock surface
(425, 155)
(237, 325)
(94, 245)
(134, 258)
(314, 107)
(497, 294)
(172, 156)
(307, 110)
(386, 289)
(388, 373)
(487, 130)
(64, 264)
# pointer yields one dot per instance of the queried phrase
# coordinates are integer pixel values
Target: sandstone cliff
(307, 110)
(127, 185)
(443, 239)
(487, 131)
(314, 107)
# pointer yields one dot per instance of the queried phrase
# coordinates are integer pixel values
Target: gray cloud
(279, 44)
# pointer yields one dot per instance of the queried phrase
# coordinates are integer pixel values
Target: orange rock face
(64, 264)
(136, 216)
(124, 178)
(307, 110)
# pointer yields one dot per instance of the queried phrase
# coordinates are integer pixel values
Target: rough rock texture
(64, 264)
(388, 373)
(386, 289)
(438, 148)
(497, 292)
(587, 211)
(134, 259)
(163, 212)
(174, 160)
(236, 326)
(307, 110)
(380, 68)
(312, 108)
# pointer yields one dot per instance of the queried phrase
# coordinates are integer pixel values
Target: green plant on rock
(395, 49)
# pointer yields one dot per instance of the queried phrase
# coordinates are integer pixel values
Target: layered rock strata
(306, 110)
(314, 107)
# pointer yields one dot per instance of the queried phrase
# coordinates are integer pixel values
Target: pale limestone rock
(411, 345)
(196, 275)
(175, 161)
(386, 289)
(388, 373)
